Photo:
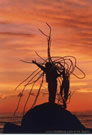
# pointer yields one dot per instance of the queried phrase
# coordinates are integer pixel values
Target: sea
(84, 117)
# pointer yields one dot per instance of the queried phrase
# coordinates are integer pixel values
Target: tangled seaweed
(69, 63)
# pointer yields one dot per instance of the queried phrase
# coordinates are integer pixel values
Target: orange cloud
(16, 34)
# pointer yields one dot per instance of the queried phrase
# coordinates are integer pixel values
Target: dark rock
(49, 118)
(11, 128)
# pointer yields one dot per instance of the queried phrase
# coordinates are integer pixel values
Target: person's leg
(64, 104)
(52, 87)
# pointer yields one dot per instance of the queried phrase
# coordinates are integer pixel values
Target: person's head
(48, 65)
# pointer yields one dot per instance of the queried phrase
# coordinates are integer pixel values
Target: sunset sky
(71, 23)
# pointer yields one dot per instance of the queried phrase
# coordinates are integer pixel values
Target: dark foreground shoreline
(48, 118)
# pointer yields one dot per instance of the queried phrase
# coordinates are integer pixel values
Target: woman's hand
(33, 61)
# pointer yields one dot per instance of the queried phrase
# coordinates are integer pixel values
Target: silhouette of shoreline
(47, 118)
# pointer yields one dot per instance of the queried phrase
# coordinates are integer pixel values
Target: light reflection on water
(85, 118)
(9, 117)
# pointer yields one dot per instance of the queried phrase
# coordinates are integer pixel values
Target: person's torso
(51, 74)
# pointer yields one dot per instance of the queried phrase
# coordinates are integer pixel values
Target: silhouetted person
(65, 87)
(51, 78)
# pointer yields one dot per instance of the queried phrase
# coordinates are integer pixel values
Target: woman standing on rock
(51, 78)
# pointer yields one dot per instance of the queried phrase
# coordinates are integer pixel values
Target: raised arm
(40, 66)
